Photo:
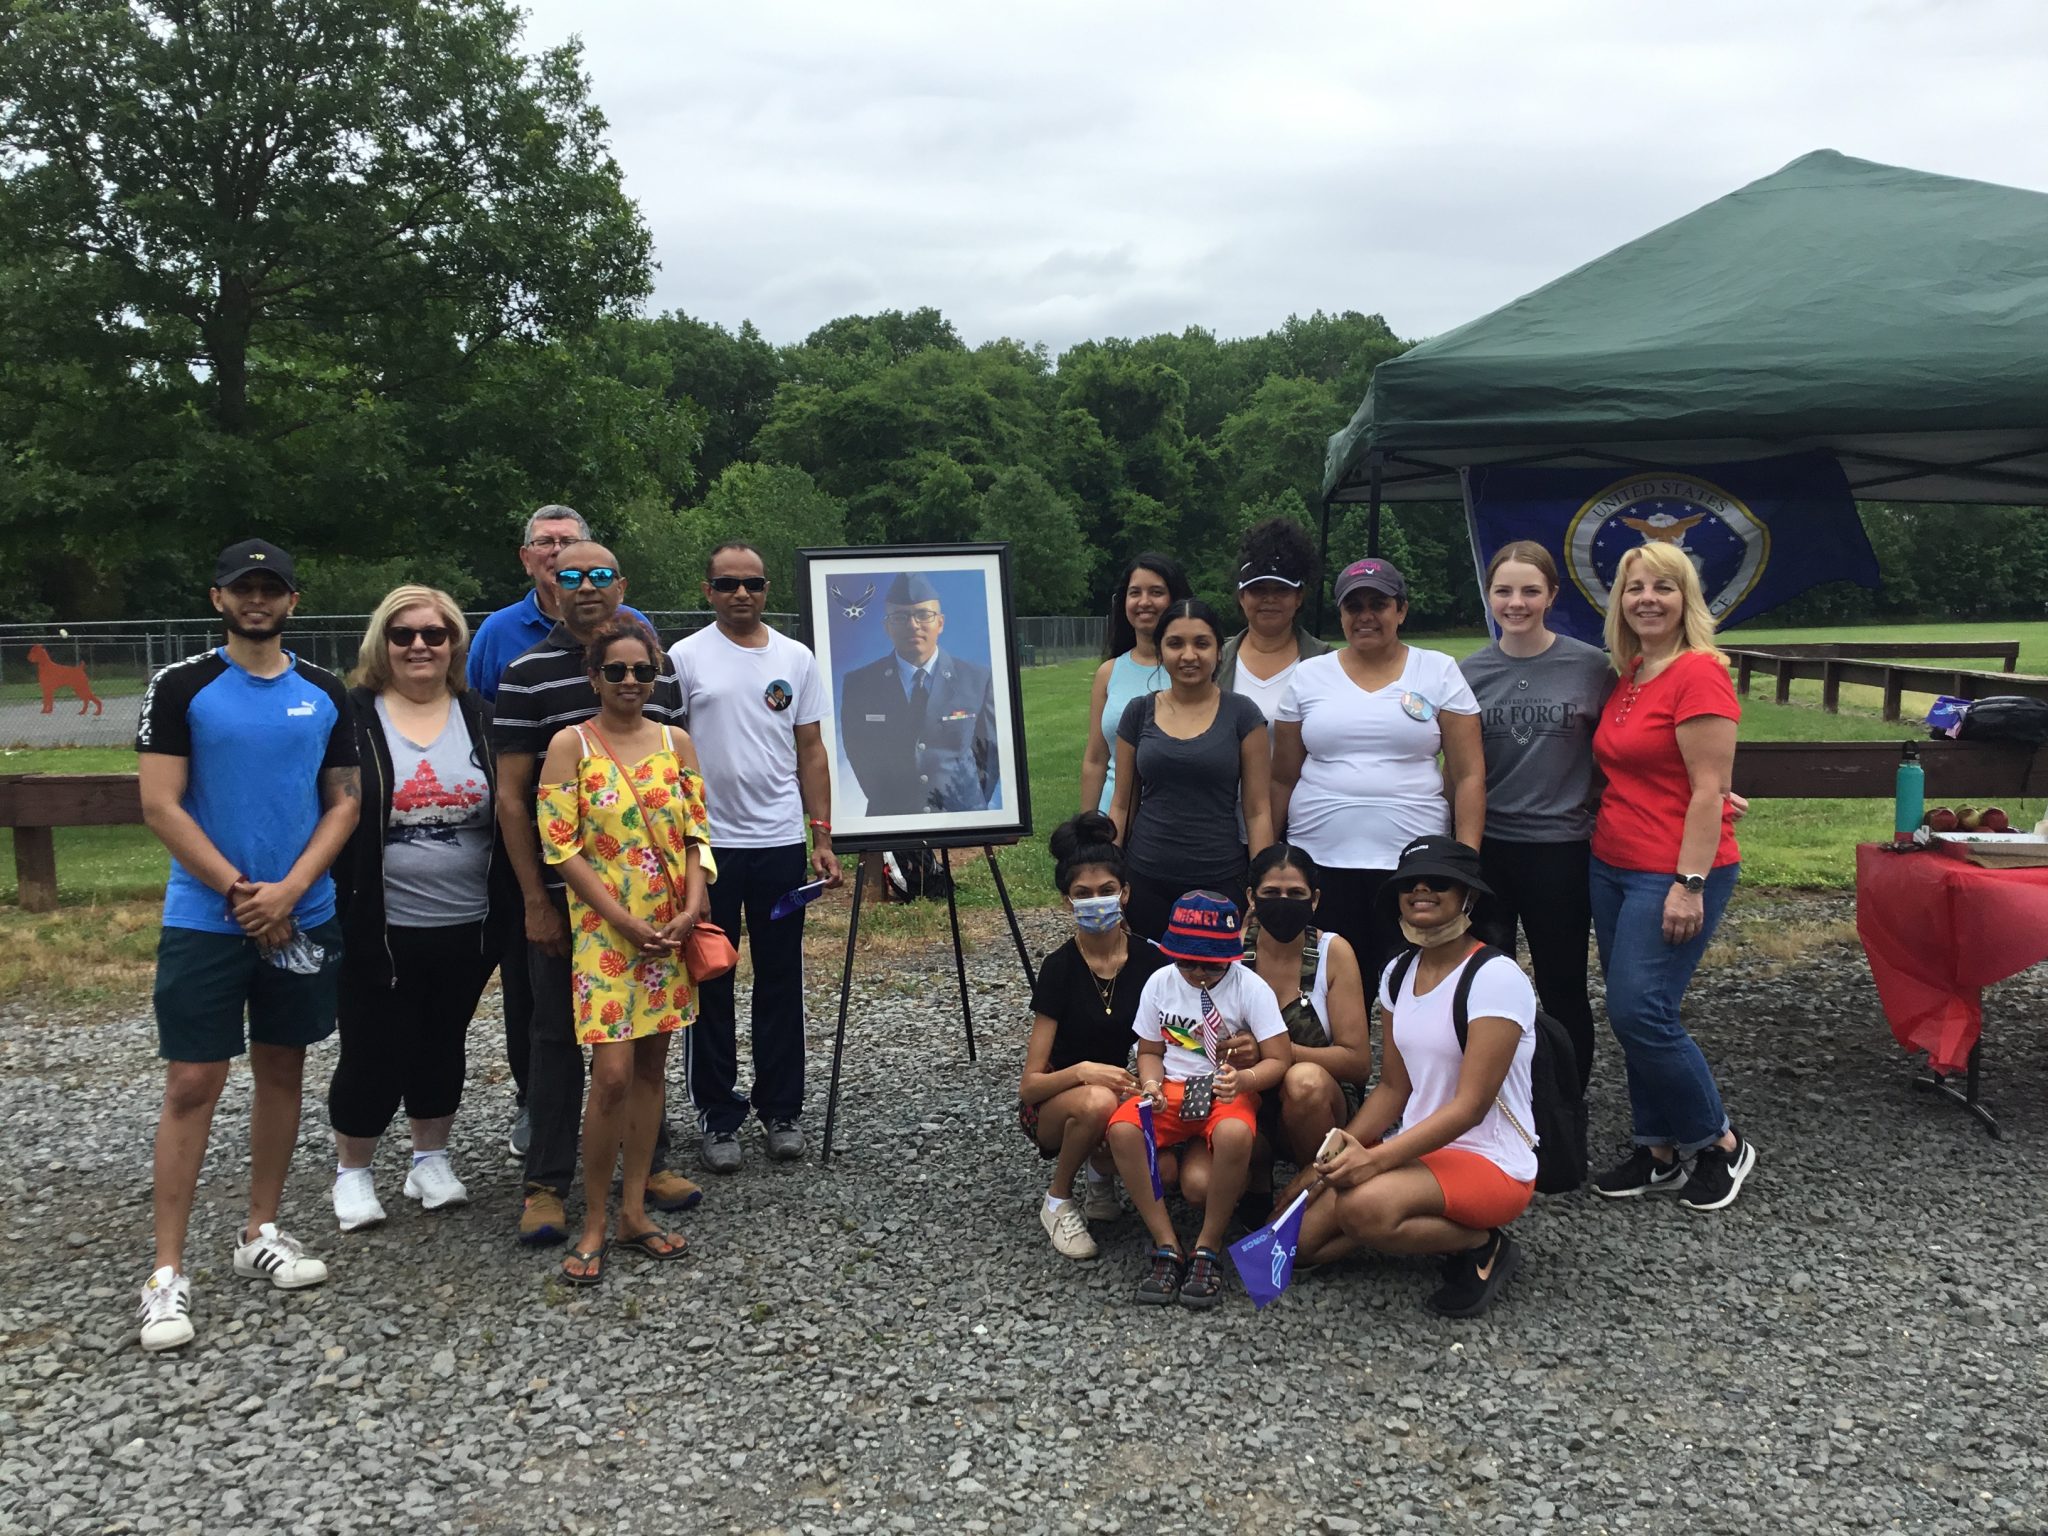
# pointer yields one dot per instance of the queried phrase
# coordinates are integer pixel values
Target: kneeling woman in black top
(1077, 1066)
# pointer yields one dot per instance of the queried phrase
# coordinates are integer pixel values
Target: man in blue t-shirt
(499, 640)
(247, 766)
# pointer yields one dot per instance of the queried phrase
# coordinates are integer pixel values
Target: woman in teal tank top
(1149, 585)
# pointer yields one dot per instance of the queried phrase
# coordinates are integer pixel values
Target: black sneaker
(1717, 1176)
(1466, 1291)
(1642, 1174)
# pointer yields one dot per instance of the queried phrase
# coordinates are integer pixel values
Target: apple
(1994, 820)
(1968, 818)
(1941, 819)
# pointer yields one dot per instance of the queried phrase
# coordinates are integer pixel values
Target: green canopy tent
(1895, 319)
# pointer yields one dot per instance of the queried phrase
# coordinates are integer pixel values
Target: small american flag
(1213, 1029)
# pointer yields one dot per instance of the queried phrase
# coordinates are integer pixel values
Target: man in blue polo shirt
(247, 769)
(499, 640)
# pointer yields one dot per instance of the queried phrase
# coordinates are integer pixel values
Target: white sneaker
(166, 1310)
(1068, 1229)
(432, 1182)
(277, 1257)
(355, 1200)
(1099, 1201)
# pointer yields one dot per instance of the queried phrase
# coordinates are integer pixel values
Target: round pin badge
(1416, 707)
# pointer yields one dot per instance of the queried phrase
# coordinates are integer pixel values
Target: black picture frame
(979, 745)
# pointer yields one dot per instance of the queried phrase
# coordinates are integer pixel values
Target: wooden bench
(33, 804)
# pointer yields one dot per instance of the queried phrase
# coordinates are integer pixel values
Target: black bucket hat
(1440, 856)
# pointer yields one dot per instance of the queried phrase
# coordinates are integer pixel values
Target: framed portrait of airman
(923, 720)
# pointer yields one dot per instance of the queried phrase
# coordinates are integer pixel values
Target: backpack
(1303, 1027)
(1558, 1105)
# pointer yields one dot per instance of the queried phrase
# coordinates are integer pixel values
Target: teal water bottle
(1909, 795)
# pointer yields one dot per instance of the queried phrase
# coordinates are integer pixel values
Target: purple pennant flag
(790, 902)
(1151, 1148)
(1265, 1258)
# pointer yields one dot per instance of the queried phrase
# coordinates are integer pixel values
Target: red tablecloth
(1938, 930)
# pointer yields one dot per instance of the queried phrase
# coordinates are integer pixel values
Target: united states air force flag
(1759, 533)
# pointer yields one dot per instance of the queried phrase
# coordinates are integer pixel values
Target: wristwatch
(1694, 884)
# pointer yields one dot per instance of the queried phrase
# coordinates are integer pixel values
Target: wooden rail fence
(1861, 663)
(34, 804)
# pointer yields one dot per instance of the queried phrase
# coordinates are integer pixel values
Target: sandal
(1203, 1286)
(654, 1244)
(594, 1258)
(1162, 1281)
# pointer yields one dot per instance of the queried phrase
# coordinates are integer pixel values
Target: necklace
(1105, 986)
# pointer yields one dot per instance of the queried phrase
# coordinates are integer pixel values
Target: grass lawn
(114, 876)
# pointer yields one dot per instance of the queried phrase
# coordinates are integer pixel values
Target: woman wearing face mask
(1355, 773)
(1077, 1065)
(1540, 695)
(1314, 974)
(1150, 585)
(1185, 757)
(1276, 562)
(1462, 1164)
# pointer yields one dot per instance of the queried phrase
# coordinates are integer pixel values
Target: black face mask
(1284, 917)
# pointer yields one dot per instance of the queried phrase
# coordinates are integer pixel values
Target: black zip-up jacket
(359, 872)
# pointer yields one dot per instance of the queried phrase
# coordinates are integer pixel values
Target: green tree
(777, 509)
(1049, 564)
(240, 242)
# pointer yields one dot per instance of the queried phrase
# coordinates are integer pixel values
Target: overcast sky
(1059, 171)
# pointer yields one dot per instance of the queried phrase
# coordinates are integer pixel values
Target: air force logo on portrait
(1725, 541)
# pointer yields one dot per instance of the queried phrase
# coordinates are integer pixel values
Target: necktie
(920, 692)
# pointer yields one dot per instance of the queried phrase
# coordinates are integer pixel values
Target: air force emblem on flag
(1726, 542)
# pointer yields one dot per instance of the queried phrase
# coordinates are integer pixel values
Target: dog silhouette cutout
(56, 677)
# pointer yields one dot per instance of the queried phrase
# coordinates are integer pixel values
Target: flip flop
(654, 1244)
(593, 1257)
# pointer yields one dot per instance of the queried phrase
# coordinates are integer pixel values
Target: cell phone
(1332, 1143)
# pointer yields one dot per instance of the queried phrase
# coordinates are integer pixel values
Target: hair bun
(1078, 832)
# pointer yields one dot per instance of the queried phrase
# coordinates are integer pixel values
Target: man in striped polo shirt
(539, 693)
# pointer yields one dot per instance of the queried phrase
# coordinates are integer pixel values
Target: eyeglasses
(1434, 883)
(919, 618)
(599, 576)
(731, 584)
(545, 542)
(615, 671)
(433, 636)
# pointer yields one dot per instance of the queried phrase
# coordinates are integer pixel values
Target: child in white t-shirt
(1186, 1016)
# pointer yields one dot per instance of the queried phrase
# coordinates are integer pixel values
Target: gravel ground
(891, 1345)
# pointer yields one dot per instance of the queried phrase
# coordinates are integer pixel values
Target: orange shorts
(1476, 1193)
(1170, 1130)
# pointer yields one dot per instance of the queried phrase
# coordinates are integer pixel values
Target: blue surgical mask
(1098, 914)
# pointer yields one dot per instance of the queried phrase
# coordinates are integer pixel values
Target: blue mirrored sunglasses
(598, 576)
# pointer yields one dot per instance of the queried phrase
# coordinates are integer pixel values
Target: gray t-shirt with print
(1536, 714)
(437, 844)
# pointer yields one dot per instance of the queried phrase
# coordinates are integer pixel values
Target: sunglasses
(1436, 883)
(731, 584)
(433, 636)
(615, 671)
(599, 576)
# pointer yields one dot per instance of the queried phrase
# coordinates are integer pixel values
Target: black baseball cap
(1441, 858)
(239, 560)
(1272, 568)
(1373, 576)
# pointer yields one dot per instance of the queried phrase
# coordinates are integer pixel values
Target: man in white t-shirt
(754, 702)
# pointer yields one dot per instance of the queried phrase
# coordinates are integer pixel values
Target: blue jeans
(1671, 1092)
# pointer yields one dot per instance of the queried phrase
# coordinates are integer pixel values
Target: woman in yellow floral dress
(622, 814)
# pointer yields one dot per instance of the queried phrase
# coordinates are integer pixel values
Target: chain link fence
(81, 684)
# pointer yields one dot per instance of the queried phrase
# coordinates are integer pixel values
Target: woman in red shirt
(1664, 866)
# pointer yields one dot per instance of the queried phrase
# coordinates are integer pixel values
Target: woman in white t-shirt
(1442, 1154)
(1355, 745)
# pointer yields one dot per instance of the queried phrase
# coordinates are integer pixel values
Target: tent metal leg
(1944, 1083)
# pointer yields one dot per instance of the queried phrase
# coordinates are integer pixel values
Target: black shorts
(207, 982)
